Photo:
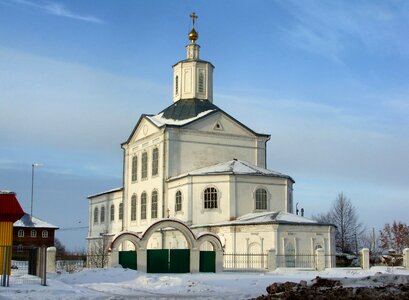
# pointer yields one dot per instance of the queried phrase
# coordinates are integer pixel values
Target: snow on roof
(265, 218)
(234, 166)
(106, 192)
(160, 121)
(32, 222)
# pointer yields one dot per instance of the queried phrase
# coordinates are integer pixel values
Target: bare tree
(370, 240)
(97, 256)
(344, 216)
(61, 251)
(395, 237)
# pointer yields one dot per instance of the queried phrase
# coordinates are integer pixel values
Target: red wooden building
(33, 232)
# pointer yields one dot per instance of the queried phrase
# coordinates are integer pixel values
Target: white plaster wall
(246, 187)
(190, 150)
(108, 226)
(305, 238)
(184, 187)
(152, 139)
(200, 215)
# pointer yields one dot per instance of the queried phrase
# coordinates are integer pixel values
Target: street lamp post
(32, 186)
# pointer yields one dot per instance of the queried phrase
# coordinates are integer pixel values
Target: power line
(74, 228)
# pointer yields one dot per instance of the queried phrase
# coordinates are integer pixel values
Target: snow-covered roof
(32, 222)
(159, 120)
(106, 192)
(279, 217)
(236, 167)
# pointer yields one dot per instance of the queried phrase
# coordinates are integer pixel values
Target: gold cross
(194, 18)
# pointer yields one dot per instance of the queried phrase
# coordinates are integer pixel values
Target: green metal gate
(168, 261)
(128, 259)
(207, 261)
(179, 260)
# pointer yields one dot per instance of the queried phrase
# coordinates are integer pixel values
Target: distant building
(33, 232)
(196, 163)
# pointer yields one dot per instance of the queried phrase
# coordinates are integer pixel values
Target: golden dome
(193, 35)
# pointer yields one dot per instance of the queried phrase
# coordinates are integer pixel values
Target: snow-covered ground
(118, 283)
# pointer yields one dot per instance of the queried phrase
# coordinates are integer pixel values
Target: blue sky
(329, 80)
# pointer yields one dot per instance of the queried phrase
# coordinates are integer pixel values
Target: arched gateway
(148, 260)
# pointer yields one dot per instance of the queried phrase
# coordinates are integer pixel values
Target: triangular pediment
(221, 123)
(143, 129)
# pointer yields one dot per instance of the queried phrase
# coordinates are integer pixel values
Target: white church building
(196, 164)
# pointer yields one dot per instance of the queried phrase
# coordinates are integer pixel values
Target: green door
(179, 261)
(128, 259)
(207, 261)
(168, 261)
(158, 261)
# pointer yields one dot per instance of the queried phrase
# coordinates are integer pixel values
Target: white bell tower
(193, 77)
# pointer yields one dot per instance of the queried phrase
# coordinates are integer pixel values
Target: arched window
(210, 198)
(201, 81)
(176, 85)
(102, 218)
(133, 208)
(155, 161)
(143, 206)
(121, 211)
(33, 233)
(112, 212)
(261, 199)
(154, 205)
(144, 165)
(44, 234)
(95, 215)
(134, 168)
(21, 233)
(178, 201)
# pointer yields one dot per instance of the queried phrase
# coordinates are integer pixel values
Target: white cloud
(56, 9)
(49, 103)
(330, 28)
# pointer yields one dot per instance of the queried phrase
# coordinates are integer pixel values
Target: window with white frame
(133, 208)
(20, 233)
(121, 211)
(210, 198)
(33, 233)
(134, 176)
(102, 218)
(155, 161)
(144, 165)
(20, 248)
(96, 215)
(261, 199)
(44, 234)
(143, 206)
(154, 205)
(178, 201)
(112, 212)
(176, 85)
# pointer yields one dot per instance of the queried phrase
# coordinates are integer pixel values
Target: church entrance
(180, 256)
(168, 261)
(128, 259)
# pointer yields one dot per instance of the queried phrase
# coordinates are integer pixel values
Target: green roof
(187, 109)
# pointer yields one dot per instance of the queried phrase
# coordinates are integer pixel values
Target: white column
(142, 259)
(51, 254)
(406, 258)
(272, 263)
(365, 258)
(113, 258)
(194, 260)
(219, 261)
(320, 259)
